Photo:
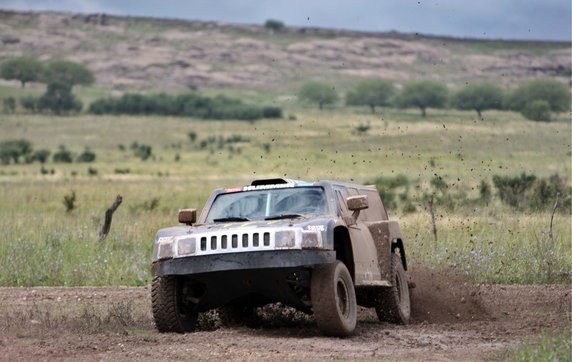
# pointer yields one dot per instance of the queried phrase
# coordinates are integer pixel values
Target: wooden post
(108, 215)
(433, 217)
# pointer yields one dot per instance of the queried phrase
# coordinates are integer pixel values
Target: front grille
(220, 242)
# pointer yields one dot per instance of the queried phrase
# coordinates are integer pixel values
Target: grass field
(42, 244)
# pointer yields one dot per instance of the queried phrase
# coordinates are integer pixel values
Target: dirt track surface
(114, 323)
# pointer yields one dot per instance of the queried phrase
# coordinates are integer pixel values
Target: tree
(372, 93)
(72, 73)
(13, 149)
(478, 96)
(555, 93)
(423, 94)
(25, 69)
(273, 24)
(59, 98)
(538, 111)
(319, 92)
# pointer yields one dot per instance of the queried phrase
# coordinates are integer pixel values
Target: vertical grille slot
(224, 242)
(203, 243)
(266, 239)
(213, 242)
(234, 241)
(255, 241)
(245, 240)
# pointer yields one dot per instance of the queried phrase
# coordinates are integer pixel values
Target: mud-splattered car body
(261, 243)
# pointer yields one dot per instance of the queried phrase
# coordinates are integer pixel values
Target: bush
(63, 155)
(272, 112)
(556, 94)
(9, 104)
(511, 190)
(86, 156)
(30, 103)
(13, 149)
(318, 92)
(423, 94)
(538, 111)
(69, 201)
(59, 99)
(190, 105)
(41, 156)
(142, 151)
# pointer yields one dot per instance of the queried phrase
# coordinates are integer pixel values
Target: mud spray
(441, 296)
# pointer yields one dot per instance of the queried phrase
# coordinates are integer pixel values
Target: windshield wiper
(232, 218)
(283, 216)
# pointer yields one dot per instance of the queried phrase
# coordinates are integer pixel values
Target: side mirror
(187, 216)
(356, 203)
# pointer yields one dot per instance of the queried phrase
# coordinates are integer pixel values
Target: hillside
(129, 53)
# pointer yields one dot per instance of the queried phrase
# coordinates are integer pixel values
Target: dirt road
(114, 323)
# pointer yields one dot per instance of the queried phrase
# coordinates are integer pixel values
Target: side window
(342, 207)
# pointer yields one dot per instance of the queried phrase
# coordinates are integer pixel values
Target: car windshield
(263, 204)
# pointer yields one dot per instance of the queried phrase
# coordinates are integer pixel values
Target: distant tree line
(535, 100)
(189, 105)
(60, 77)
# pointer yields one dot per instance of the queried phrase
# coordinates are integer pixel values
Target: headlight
(186, 246)
(285, 239)
(165, 247)
(311, 239)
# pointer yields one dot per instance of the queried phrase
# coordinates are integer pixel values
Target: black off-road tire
(393, 304)
(334, 299)
(168, 311)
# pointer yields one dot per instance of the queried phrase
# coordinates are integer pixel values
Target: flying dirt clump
(441, 296)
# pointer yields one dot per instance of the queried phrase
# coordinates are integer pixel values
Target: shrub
(86, 156)
(9, 104)
(538, 111)
(511, 190)
(423, 94)
(192, 136)
(272, 112)
(122, 171)
(69, 201)
(30, 103)
(318, 92)
(191, 105)
(59, 99)
(92, 171)
(41, 155)
(63, 155)
(142, 151)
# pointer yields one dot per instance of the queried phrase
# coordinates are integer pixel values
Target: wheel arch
(397, 244)
(343, 249)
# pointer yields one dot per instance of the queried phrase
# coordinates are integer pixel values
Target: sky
(491, 19)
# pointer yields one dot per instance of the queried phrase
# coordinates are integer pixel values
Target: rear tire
(333, 299)
(393, 304)
(169, 312)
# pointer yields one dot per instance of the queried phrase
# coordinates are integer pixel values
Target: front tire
(333, 299)
(393, 304)
(169, 311)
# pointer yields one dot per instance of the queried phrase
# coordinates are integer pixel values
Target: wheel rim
(342, 298)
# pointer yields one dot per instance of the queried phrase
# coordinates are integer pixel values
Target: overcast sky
(505, 19)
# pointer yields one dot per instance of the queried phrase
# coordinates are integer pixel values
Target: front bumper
(242, 261)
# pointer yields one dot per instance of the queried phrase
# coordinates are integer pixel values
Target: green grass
(545, 348)
(42, 244)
